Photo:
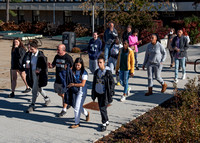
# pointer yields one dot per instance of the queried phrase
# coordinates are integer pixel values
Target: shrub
(177, 120)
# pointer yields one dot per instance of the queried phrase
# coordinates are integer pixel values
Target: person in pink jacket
(133, 43)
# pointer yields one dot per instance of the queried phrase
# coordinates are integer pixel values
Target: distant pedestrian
(170, 37)
(109, 36)
(37, 74)
(81, 77)
(112, 61)
(154, 57)
(94, 51)
(103, 89)
(125, 67)
(127, 33)
(133, 44)
(180, 46)
(60, 60)
(17, 54)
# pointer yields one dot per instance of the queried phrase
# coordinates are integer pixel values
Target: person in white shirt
(81, 77)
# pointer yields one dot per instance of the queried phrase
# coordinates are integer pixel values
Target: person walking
(125, 67)
(154, 57)
(103, 89)
(17, 54)
(37, 74)
(180, 46)
(170, 37)
(60, 60)
(81, 77)
(94, 51)
(127, 33)
(109, 36)
(133, 44)
(112, 61)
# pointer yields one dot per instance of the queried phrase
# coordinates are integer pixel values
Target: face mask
(171, 32)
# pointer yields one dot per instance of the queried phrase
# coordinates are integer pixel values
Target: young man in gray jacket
(154, 57)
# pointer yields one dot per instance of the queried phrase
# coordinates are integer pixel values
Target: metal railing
(197, 66)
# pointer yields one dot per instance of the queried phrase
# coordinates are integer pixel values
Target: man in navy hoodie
(94, 51)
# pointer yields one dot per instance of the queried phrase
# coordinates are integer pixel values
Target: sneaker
(11, 95)
(75, 126)
(26, 90)
(183, 76)
(123, 98)
(103, 128)
(88, 117)
(129, 91)
(47, 101)
(137, 68)
(175, 80)
(107, 123)
(118, 84)
(62, 113)
(30, 109)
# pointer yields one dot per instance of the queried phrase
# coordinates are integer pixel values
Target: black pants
(103, 108)
(171, 53)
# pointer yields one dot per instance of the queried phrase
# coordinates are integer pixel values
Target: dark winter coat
(183, 45)
(109, 87)
(67, 77)
(41, 66)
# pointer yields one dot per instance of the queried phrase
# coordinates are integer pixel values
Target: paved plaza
(42, 125)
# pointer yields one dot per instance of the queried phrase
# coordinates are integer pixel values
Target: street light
(92, 16)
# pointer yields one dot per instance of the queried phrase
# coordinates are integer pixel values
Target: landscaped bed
(176, 120)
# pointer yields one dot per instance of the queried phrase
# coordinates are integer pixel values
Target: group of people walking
(119, 59)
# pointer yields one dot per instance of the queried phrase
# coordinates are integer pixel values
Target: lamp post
(92, 16)
(54, 15)
(7, 10)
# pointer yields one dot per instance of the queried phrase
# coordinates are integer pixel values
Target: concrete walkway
(42, 125)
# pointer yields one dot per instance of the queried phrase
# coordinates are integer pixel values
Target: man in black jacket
(103, 89)
(180, 46)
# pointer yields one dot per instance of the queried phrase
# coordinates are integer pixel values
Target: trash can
(69, 39)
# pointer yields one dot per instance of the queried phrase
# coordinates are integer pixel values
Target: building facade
(61, 11)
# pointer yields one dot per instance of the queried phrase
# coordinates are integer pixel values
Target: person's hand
(140, 42)
(37, 71)
(70, 85)
(131, 74)
(143, 67)
(177, 49)
(161, 63)
(50, 65)
(117, 73)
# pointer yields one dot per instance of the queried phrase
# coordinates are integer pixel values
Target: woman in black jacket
(103, 89)
(17, 54)
(37, 74)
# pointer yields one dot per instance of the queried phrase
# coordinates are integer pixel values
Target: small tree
(138, 13)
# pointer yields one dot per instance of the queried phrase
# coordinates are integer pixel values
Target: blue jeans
(136, 61)
(106, 52)
(182, 63)
(124, 76)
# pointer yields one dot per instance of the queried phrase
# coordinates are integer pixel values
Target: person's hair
(101, 57)
(158, 39)
(125, 41)
(21, 45)
(172, 29)
(95, 32)
(135, 31)
(34, 43)
(180, 29)
(129, 26)
(117, 38)
(111, 23)
(79, 60)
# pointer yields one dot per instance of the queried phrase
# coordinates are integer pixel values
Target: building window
(36, 15)
(67, 16)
